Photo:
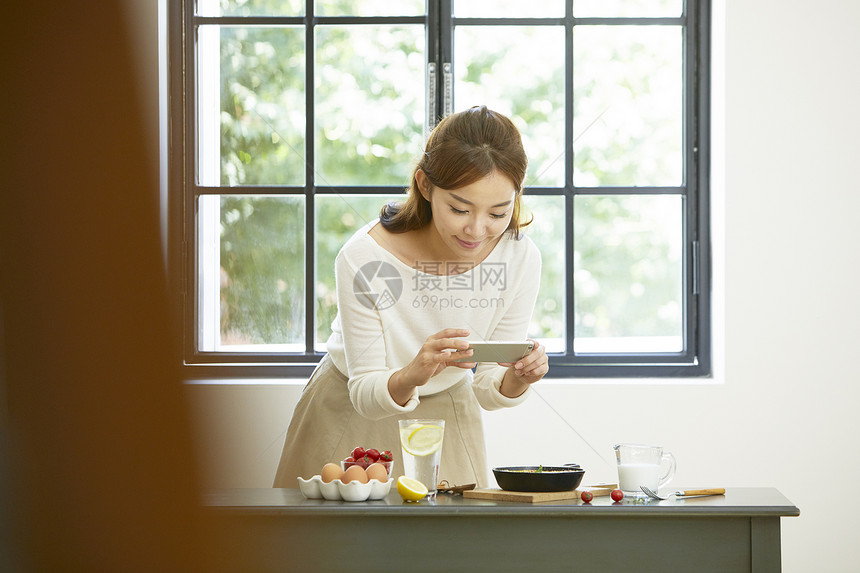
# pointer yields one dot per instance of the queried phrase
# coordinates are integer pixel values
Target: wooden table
(280, 530)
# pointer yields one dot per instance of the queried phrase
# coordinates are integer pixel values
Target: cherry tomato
(373, 453)
(617, 495)
(586, 496)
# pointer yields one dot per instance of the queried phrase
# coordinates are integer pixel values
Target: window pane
(627, 98)
(251, 265)
(251, 7)
(518, 71)
(547, 231)
(253, 134)
(628, 8)
(369, 7)
(369, 103)
(628, 273)
(508, 8)
(338, 217)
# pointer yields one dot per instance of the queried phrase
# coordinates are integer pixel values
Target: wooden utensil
(685, 493)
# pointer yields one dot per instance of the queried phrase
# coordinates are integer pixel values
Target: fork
(685, 493)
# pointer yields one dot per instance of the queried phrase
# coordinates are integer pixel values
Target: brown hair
(463, 148)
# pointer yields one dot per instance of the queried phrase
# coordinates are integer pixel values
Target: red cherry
(617, 495)
(586, 496)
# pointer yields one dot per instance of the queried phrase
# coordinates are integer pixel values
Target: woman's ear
(424, 184)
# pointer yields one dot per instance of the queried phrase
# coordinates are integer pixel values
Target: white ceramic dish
(380, 489)
(354, 490)
(336, 490)
(310, 488)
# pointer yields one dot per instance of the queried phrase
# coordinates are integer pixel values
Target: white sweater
(374, 337)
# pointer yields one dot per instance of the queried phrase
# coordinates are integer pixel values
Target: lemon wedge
(422, 439)
(410, 489)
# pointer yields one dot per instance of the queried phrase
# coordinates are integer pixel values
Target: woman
(447, 266)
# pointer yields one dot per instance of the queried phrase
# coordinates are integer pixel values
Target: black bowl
(549, 478)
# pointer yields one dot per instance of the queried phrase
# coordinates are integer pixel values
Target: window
(302, 118)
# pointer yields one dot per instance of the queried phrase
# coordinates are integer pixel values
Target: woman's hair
(463, 148)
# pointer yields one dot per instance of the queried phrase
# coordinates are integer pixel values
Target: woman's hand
(524, 372)
(439, 351)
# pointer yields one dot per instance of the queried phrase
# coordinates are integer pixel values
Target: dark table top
(290, 502)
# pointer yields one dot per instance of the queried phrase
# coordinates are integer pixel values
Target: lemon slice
(410, 489)
(422, 440)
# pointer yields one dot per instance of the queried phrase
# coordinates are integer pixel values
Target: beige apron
(325, 428)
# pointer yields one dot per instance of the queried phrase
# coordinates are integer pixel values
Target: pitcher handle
(670, 473)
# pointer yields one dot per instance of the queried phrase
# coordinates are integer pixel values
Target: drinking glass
(421, 442)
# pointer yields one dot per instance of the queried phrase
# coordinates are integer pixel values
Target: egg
(331, 472)
(354, 473)
(377, 471)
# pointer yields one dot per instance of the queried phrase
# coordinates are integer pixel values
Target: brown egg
(331, 472)
(377, 471)
(354, 473)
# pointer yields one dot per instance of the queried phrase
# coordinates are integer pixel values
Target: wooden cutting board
(495, 494)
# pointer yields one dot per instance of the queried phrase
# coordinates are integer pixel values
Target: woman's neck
(423, 249)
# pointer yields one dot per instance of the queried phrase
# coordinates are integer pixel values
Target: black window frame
(184, 190)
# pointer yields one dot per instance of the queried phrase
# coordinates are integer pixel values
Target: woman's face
(469, 219)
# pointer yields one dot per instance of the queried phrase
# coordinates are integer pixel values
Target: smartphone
(498, 351)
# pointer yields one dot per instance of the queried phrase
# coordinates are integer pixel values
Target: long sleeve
(364, 346)
(372, 338)
(513, 325)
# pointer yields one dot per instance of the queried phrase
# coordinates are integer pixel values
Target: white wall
(779, 411)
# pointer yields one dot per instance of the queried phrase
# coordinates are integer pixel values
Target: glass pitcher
(640, 464)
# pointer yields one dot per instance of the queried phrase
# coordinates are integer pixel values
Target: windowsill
(550, 383)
